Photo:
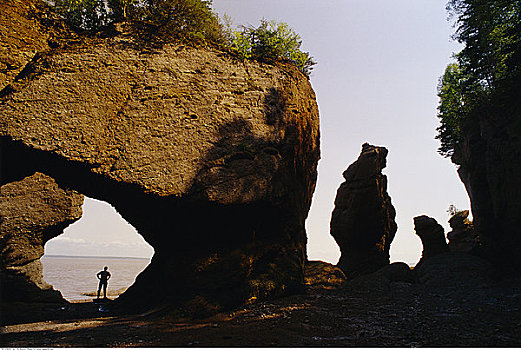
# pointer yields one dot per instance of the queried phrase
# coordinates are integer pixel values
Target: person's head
(106, 268)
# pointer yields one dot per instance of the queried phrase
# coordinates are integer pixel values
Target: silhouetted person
(103, 277)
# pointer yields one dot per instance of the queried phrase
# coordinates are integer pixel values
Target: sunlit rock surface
(323, 275)
(33, 208)
(211, 159)
(362, 222)
(32, 211)
(27, 28)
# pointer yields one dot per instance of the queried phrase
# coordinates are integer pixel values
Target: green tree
(186, 20)
(272, 41)
(459, 95)
(490, 31)
(487, 72)
(121, 10)
(87, 15)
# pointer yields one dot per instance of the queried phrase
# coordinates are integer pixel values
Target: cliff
(212, 160)
(489, 160)
(33, 209)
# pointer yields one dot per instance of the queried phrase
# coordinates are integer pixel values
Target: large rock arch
(213, 161)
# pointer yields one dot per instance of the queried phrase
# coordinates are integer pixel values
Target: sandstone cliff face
(32, 211)
(490, 166)
(362, 222)
(212, 160)
(26, 29)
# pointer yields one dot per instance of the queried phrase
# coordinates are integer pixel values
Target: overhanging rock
(213, 161)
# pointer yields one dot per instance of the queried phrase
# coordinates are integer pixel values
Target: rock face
(454, 271)
(27, 28)
(463, 238)
(383, 279)
(432, 235)
(323, 275)
(362, 222)
(32, 211)
(489, 162)
(213, 161)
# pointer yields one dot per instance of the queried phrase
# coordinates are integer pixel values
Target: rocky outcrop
(432, 236)
(27, 28)
(212, 160)
(454, 271)
(32, 211)
(362, 222)
(463, 238)
(489, 160)
(323, 275)
(382, 280)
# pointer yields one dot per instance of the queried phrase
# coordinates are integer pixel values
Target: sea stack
(432, 235)
(362, 222)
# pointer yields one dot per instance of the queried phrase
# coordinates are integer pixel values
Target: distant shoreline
(94, 257)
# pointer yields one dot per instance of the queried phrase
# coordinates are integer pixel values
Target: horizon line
(93, 256)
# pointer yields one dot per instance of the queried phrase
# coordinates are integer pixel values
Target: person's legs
(105, 290)
(99, 289)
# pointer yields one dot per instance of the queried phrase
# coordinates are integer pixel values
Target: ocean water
(74, 276)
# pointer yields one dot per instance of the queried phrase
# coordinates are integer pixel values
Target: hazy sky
(378, 67)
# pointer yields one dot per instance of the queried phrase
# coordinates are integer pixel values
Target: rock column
(362, 222)
(432, 235)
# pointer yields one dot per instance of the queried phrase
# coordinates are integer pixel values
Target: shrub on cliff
(193, 22)
(272, 41)
(184, 20)
(87, 15)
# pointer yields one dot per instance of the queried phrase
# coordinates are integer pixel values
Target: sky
(379, 62)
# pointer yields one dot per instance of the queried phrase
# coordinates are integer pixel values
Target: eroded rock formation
(362, 222)
(32, 211)
(212, 160)
(27, 28)
(323, 275)
(463, 238)
(432, 236)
